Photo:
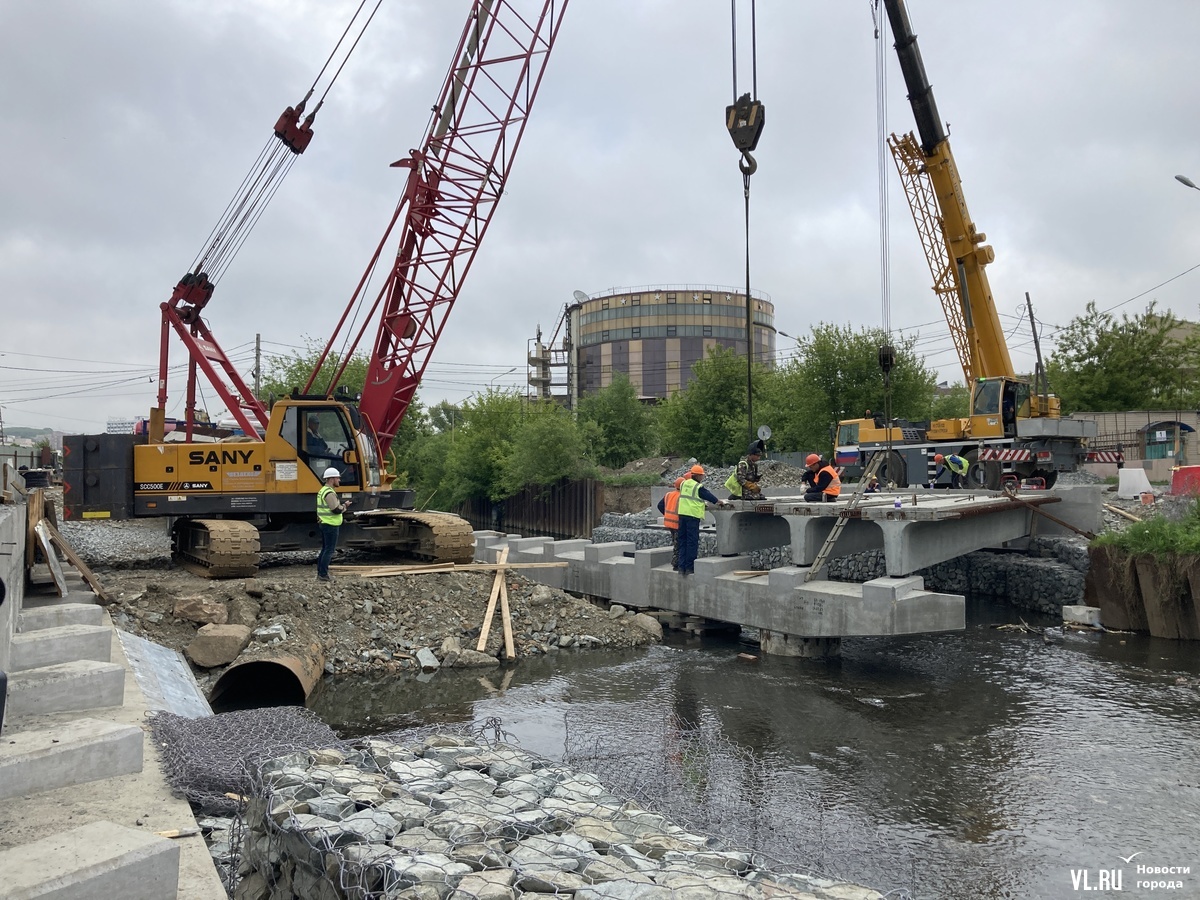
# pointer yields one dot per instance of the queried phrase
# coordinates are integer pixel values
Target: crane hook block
(745, 120)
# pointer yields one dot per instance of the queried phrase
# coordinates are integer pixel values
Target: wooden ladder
(844, 516)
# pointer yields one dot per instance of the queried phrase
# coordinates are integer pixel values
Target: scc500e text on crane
(232, 499)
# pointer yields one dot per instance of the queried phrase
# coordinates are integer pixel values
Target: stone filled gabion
(447, 817)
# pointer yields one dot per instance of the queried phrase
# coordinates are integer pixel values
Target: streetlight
(492, 382)
(1183, 179)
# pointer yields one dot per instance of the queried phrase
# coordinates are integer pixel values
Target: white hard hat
(331, 472)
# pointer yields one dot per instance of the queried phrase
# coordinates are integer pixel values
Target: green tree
(445, 416)
(835, 375)
(546, 448)
(624, 427)
(1138, 362)
(474, 464)
(955, 404)
(707, 419)
(285, 372)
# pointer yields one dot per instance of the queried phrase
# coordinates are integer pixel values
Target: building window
(670, 298)
(636, 300)
(673, 364)
(604, 304)
(708, 331)
(670, 331)
(604, 335)
(708, 299)
(637, 333)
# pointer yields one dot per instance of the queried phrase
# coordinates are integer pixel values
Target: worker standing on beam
(692, 497)
(669, 507)
(824, 484)
(958, 466)
(743, 483)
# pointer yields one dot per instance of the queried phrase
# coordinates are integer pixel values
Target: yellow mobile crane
(1011, 432)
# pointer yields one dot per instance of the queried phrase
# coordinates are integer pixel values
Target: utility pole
(258, 366)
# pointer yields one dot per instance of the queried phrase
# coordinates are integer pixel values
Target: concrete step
(66, 643)
(101, 859)
(72, 753)
(67, 687)
(60, 614)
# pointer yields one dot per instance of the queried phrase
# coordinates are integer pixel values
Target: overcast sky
(128, 125)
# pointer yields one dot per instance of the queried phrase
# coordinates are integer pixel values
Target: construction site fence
(33, 458)
(568, 509)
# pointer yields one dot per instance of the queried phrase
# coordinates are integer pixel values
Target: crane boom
(455, 180)
(954, 249)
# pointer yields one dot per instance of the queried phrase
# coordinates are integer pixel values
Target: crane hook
(747, 164)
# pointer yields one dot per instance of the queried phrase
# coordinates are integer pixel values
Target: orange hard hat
(678, 482)
(811, 459)
(697, 470)
(937, 457)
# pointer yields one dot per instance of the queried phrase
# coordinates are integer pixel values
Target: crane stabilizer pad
(216, 548)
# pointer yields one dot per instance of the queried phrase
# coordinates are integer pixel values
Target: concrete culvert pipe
(282, 676)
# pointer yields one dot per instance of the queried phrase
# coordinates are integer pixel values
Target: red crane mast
(455, 180)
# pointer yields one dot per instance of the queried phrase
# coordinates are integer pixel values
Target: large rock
(201, 610)
(473, 659)
(242, 611)
(217, 645)
(648, 624)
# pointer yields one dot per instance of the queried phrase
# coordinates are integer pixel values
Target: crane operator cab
(995, 405)
(324, 436)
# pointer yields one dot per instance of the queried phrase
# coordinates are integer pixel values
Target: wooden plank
(1120, 512)
(506, 619)
(42, 530)
(491, 607)
(392, 571)
(34, 513)
(88, 575)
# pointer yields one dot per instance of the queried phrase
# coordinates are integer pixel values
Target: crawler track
(436, 536)
(216, 548)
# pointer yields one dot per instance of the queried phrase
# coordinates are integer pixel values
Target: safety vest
(835, 485)
(690, 504)
(326, 516)
(958, 465)
(671, 510)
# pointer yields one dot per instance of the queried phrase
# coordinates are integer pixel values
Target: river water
(985, 764)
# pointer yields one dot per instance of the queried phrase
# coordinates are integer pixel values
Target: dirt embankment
(365, 625)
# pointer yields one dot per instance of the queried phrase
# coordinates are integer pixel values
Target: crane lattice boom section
(455, 181)
(922, 200)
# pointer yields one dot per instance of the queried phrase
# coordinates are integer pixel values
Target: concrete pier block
(1082, 615)
(785, 578)
(709, 567)
(558, 549)
(101, 859)
(80, 685)
(890, 588)
(82, 750)
(59, 615)
(51, 646)
(484, 540)
(597, 552)
(531, 549)
(645, 560)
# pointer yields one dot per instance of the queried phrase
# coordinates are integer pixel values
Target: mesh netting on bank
(435, 813)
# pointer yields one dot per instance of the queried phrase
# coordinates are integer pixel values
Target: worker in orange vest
(669, 507)
(822, 480)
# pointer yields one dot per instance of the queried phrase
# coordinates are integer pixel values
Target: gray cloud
(129, 125)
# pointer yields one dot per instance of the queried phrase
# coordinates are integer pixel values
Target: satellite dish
(580, 297)
(764, 432)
